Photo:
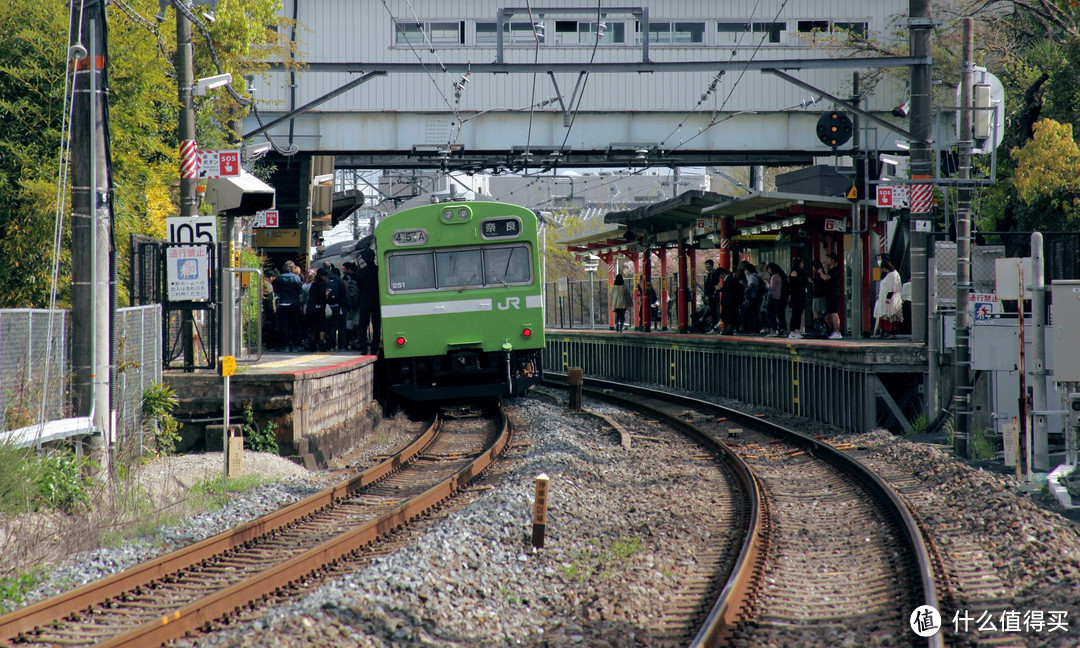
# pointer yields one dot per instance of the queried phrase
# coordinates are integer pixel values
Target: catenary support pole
(921, 23)
(189, 201)
(1041, 449)
(962, 364)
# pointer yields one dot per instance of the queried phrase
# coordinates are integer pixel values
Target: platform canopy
(766, 211)
(611, 238)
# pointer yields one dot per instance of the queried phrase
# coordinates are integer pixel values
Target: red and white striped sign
(189, 159)
(921, 198)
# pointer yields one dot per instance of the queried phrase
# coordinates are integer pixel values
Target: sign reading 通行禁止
(187, 269)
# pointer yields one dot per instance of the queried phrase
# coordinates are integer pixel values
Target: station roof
(681, 211)
(611, 237)
(756, 206)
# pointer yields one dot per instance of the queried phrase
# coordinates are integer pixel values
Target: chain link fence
(35, 367)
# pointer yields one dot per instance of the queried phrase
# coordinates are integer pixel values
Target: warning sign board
(187, 269)
(266, 218)
(892, 197)
(219, 164)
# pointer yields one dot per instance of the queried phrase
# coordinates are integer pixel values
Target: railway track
(840, 558)
(191, 589)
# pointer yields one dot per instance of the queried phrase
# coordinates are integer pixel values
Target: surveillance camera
(901, 110)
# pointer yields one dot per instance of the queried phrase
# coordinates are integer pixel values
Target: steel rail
(869, 479)
(198, 614)
(102, 591)
(728, 611)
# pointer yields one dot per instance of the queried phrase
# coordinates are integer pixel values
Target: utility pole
(921, 23)
(858, 159)
(91, 229)
(962, 363)
(189, 168)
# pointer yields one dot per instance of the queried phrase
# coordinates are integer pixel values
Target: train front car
(461, 300)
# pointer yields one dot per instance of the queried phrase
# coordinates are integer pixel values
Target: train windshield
(460, 269)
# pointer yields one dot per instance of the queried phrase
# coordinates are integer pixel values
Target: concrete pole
(962, 365)
(1040, 442)
(921, 23)
(91, 228)
(189, 201)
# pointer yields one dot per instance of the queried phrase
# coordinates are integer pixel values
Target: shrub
(159, 401)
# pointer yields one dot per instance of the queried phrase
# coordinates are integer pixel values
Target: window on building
(809, 29)
(515, 32)
(573, 32)
(438, 33)
(665, 33)
(741, 33)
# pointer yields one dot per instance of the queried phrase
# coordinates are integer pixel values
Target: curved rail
(875, 484)
(199, 613)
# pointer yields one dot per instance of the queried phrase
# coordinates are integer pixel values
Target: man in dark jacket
(731, 298)
(367, 280)
(288, 288)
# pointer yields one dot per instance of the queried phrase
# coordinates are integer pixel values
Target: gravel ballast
(473, 580)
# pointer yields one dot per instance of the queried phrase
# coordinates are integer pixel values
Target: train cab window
(459, 269)
(507, 265)
(411, 272)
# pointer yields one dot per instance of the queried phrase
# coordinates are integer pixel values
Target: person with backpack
(755, 295)
(731, 299)
(352, 303)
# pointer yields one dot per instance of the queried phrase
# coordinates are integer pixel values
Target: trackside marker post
(575, 378)
(540, 504)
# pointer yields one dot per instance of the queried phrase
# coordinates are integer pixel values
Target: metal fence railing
(35, 367)
(569, 304)
(34, 363)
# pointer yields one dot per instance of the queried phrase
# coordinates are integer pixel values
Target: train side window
(459, 269)
(411, 272)
(507, 265)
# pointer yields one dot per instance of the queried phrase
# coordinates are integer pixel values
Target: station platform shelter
(854, 383)
(664, 246)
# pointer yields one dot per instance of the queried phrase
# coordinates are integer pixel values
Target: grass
(13, 590)
(213, 493)
(602, 561)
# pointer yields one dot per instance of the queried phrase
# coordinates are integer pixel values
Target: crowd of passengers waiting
(327, 309)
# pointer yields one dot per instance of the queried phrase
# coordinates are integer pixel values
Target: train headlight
(463, 214)
(400, 341)
(526, 332)
(448, 215)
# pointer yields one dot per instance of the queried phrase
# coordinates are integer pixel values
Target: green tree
(1047, 177)
(143, 123)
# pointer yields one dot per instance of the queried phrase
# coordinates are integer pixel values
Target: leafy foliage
(159, 400)
(259, 439)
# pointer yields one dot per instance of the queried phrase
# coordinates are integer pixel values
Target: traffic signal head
(834, 128)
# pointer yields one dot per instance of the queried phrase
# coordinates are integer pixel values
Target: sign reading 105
(192, 229)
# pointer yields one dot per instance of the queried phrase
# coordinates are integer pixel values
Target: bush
(255, 438)
(159, 400)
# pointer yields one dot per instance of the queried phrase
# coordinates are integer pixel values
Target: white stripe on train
(459, 306)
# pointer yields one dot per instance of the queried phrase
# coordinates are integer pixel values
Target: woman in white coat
(888, 309)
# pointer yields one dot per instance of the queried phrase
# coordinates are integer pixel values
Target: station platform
(318, 402)
(853, 383)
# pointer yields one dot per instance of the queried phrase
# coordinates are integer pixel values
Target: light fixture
(253, 151)
(323, 180)
(209, 15)
(902, 110)
(211, 82)
(903, 145)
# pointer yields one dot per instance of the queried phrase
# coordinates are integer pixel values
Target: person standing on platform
(777, 305)
(797, 282)
(621, 299)
(288, 288)
(755, 295)
(888, 309)
(367, 279)
(712, 292)
(834, 290)
(731, 299)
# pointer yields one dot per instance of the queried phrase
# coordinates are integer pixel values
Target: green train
(461, 298)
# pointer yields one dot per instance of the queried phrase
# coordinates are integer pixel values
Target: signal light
(526, 332)
(400, 340)
(834, 128)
